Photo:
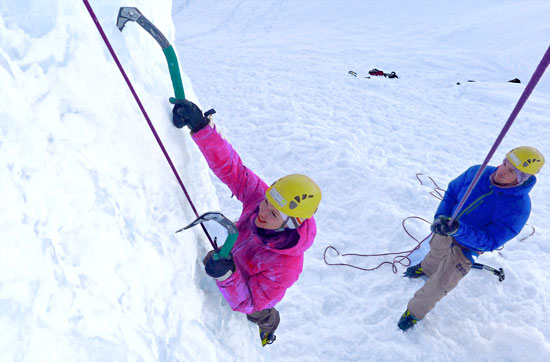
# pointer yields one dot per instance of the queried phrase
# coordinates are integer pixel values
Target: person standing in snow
(495, 212)
(275, 228)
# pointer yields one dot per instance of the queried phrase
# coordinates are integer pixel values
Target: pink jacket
(263, 273)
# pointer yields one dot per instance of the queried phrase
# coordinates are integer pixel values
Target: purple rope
(521, 102)
(138, 101)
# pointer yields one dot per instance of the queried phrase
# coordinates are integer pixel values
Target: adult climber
(494, 213)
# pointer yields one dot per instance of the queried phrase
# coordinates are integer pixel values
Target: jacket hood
(307, 232)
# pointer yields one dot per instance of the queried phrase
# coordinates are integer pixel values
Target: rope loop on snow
(401, 257)
(140, 105)
(437, 192)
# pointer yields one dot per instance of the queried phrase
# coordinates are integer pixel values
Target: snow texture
(90, 266)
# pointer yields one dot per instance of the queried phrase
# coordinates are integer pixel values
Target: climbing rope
(541, 68)
(402, 257)
(140, 105)
(437, 192)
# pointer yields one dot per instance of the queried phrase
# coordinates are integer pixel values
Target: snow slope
(90, 267)
(277, 73)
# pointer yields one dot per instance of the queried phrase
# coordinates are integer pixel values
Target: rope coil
(401, 257)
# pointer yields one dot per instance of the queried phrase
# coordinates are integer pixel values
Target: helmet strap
(284, 225)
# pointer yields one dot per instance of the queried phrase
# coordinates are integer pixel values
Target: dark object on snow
(376, 72)
(351, 72)
(515, 80)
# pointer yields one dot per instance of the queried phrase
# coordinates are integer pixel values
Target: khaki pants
(445, 265)
(267, 319)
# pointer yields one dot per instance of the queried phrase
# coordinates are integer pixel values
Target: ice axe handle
(499, 273)
(225, 250)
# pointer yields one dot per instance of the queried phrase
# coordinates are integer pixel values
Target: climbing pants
(445, 265)
(267, 319)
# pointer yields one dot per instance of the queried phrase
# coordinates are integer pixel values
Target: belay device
(232, 233)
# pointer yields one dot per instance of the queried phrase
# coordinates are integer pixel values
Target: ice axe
(232, 233)
(499, 273)
(126, 14)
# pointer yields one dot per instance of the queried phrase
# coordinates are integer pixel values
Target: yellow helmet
(295, 195)
(526, 159)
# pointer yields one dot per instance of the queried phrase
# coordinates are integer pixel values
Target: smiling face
(268, 217)
(506, 174)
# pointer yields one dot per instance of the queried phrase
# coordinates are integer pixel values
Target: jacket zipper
(475, 203)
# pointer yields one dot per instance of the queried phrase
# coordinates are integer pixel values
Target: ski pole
(499, 273)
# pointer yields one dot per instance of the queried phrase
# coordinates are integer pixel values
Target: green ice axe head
(232, 233)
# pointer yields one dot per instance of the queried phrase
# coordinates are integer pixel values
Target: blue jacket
(491, 215)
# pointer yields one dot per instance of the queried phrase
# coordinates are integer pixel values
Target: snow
(90, 266)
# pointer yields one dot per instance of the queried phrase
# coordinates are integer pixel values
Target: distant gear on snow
(376, 72)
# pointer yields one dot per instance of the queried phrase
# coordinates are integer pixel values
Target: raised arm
(226, 164)
(220, 155)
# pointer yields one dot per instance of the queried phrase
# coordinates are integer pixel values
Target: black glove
(187, 113)
(220, 269)
(441, 226)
